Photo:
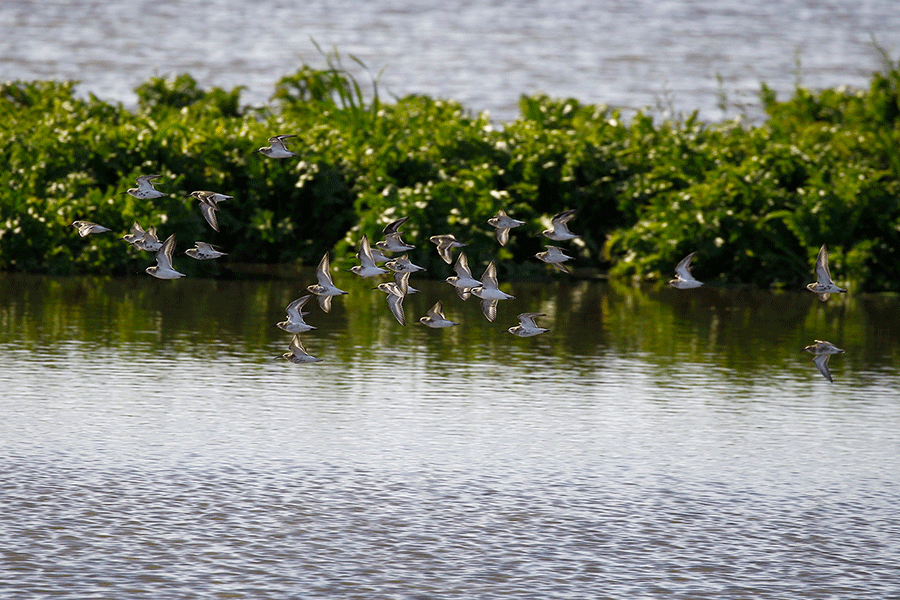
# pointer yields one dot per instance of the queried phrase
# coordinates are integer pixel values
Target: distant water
(633, 53)
(652, 444)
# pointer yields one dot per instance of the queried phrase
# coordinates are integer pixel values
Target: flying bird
(823, 285)
(683, 278)
(145, 188)
(325, 288)
(823, 351)
(527, 326)
(86, 228)
(209, 205)
(435, 318)
(164, 268)
(444, 244)
(555, 257)
(277, 148)
(490, 293)
(297, 353)
(204, 251)
(560, 230)
(366, 266)
(503, 223)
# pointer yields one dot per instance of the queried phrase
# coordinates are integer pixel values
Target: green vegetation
(755, 201)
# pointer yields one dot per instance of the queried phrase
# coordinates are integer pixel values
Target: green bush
(755, 201)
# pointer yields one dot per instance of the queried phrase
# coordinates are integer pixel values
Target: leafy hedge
(755, 201)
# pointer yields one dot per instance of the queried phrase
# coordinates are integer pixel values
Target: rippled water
(150, 446)
(485, 54)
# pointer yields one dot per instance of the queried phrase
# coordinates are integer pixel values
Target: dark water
(653, 444)
(639, 53)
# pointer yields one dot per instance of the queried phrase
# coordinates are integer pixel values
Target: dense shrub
(755, 201)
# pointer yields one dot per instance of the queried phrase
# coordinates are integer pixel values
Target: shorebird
(325, 289)
(86, 228)
(823, 285)
(503, 223)
(149, 242)
(402, 264)
(137, 234)
(560, 231)
(444, 244)
(554, 256)
(463, 281)
(295, 322)
(490, 293)
(163, 268)
(277, 149)
(366, 266)
(298, 353)
(396, 292)
(527, 326)
(392, 241)
(823, 351)
(209, 205)
(435, 318)
(683, 278)
(145, 188)
(204, 251)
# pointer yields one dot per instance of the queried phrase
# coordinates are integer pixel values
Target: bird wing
(463, 293)
(402, 283)
(323, 274)
(395, 302)
(145, 182)
(365, 253)
(443, 248)
(277, 144)
(296, 346)
(209, 213)
(527, 319)
(394, 226)
(489, 279)
(823, 274)
(293, 309)
(821, 361)
(279, 139)
(164, 254)
(150, 235)
(489, 308)
(437, 311)
(462, 266)
(563, 218)
(137, 231)
(683, 269)
(325, 303)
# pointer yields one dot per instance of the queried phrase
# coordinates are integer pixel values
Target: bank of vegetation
(754, 200)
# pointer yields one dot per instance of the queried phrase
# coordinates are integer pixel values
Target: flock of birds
(486, 289)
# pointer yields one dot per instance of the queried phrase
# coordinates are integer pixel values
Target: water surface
(635, 54)
(655, 442)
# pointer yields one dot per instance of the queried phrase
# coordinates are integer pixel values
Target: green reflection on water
(743, 330)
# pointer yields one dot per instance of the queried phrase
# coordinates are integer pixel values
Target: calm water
(633, 53)
(653, 444)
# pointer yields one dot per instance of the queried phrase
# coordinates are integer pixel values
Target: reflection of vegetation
(737, 330)
(756, 202)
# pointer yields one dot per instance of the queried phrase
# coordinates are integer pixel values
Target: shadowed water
(655, 442)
